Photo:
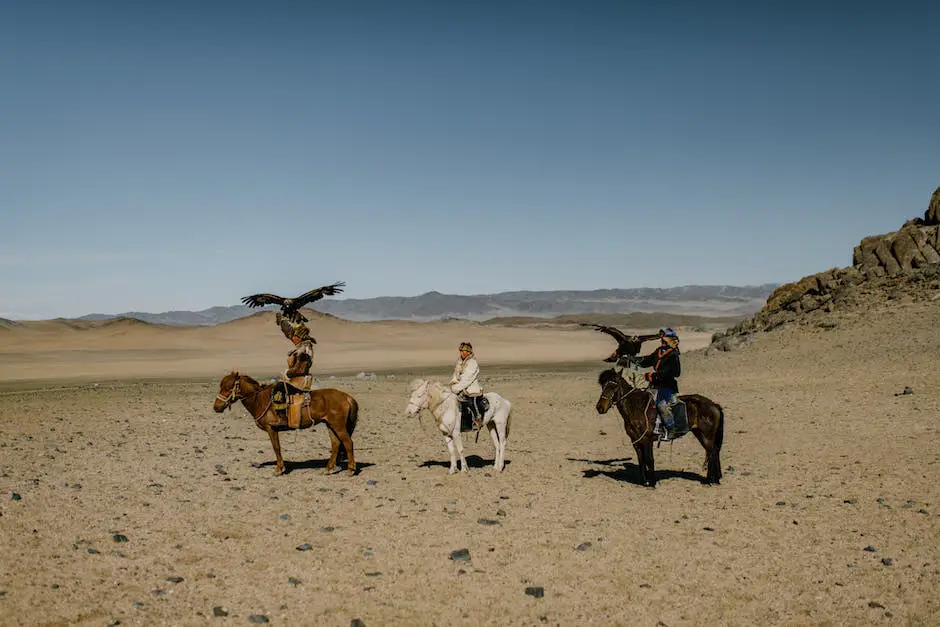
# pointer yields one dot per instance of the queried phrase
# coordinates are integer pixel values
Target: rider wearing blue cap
(666, 369)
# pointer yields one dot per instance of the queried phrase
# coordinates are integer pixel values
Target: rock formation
(905, 263)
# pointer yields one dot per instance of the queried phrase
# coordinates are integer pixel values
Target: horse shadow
(626, 471)
(473, 461)
(313, 464)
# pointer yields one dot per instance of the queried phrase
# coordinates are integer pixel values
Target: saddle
(472, 411)
(290, 401)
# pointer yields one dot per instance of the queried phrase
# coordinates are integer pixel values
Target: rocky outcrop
(903, 264)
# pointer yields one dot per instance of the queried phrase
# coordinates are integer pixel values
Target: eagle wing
(615, 333)
(260, 300)
(317, 294)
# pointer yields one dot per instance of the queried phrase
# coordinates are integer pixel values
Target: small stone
(258, 618)
(923, 511)
(356, 622)
(293, 581)
(119, 537)
(285, 516)
(462, 555)
(887, 561)
(175, 579)
(876, 605)
(218, 610)
(488, 522)
(327, 529)
(93, 551)
(374, 574)
(304, 547)
(15, 497)
(372, 482)
(870, 549)
(535, 591)
(850, 501)
(779, 503)
(584, 546)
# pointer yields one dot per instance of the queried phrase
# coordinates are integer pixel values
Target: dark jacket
(666, 367)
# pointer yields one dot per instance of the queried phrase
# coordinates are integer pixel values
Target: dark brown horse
(638, 409)
(336, 408)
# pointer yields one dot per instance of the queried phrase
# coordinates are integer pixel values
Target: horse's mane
(250, 380)
(607, 376)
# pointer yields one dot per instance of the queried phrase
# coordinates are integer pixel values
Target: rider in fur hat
(666, 369)
(300, 359)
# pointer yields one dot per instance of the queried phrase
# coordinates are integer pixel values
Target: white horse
(442, 403)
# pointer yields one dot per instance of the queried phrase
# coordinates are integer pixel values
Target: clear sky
(177, 155)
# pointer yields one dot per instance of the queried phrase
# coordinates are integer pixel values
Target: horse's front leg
(350, 457)
(650, 464)
(463, 460)
(451, 448)
(276, 444)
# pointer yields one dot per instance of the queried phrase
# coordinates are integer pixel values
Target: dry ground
(821, 461)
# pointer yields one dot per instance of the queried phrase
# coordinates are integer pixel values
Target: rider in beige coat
(466, 381)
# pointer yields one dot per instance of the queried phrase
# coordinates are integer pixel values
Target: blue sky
(178, 155)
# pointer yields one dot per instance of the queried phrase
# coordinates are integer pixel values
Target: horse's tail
(352, 417)
(714, 456)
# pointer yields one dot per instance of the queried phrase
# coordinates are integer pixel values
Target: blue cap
(668, 333)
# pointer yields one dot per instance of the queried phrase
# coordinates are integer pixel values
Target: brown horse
(638, 409)
(336, 408)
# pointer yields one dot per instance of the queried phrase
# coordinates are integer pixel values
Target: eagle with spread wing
(627, 345)
(290, 307)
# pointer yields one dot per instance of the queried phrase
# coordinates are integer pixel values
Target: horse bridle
(619, 383)
(231, 398)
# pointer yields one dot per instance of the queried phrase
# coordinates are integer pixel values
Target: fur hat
(466, 346)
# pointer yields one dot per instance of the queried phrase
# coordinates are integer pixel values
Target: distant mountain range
(702, 300)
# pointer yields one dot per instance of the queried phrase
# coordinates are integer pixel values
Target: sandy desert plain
(126, 500)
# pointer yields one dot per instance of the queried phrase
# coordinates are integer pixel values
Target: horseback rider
(300, 359)
(466, 384)
(666, 369)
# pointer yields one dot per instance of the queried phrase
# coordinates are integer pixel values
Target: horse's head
(229, 392)
(611, 389)
(420, 396)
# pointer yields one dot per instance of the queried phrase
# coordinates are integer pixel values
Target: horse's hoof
(351, 472)
(328, 471)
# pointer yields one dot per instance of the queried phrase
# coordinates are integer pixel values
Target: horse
(336, 408)
(638, 409)
(442, 403)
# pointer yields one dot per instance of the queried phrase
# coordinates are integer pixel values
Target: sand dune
(59, 349)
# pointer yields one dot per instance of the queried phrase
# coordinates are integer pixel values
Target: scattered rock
(779, 503)
(356, 622)
(175, 579)
(487, 522)
(870, 549)
(887, 561)
(258, 618)
(218, 610)
(119, 537)
(907, 391)
(462, 555)
(15, 497)
(584, 546)
(304, 547)
(876, 605)
(285, 516)
(372, 482)
(293, 581)
(850, 501)
(707, 529)
(535, 591)
(327, 529)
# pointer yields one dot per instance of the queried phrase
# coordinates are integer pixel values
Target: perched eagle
(627, 345)
(290, 307)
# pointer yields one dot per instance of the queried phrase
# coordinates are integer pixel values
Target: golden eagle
(290, 307)
(627, 345)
